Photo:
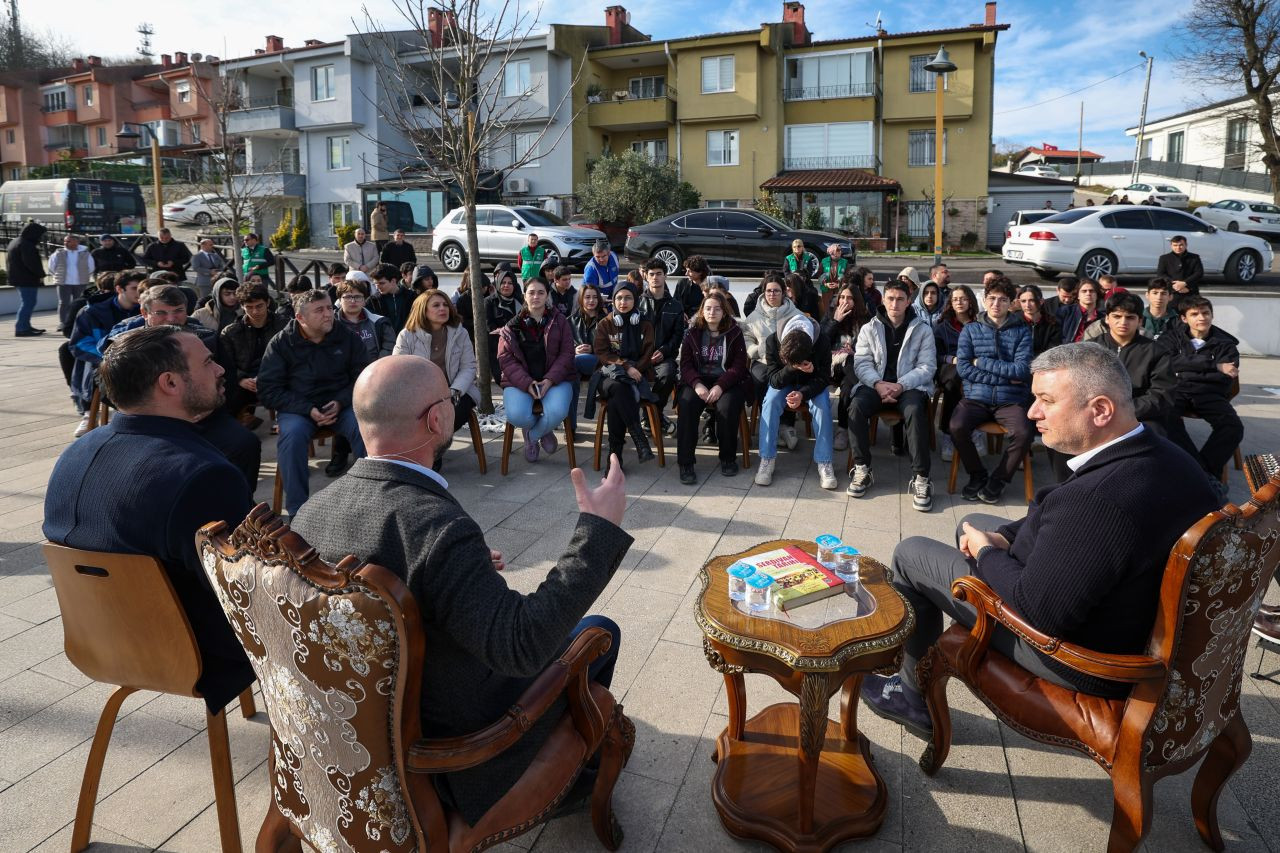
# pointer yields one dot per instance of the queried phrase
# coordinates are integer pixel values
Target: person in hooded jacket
(993, 358)
(624, 346)
(928, 304)
(769, 315)
(499, 308)
(713, 373)
(223, 306)
(389, 297)
(798, 356)
(26, 272)
(110, 256)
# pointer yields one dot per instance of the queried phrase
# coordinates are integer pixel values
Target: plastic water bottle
(826, 543)
(738, 575)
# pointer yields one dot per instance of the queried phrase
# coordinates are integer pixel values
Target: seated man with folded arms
(1086, 563)
(798, 356)
(147, 481)
(486, 643)
(894, 362)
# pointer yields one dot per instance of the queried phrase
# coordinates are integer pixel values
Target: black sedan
(728, 238)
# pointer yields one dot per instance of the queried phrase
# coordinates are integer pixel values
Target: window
(15, 174)
(102, 137)
(54, 101)
(526, 143)
(834, 75)
(709, 221)
(654, 149)
(722, 148)
(920, 147)
(717, 74)
(183, 90)
(88, 96)
(1172, 220)
(10, 136)
(1128, 219)
(739, 222)
(648, 87)
(322, 84)
(515, 79)
(1144, 150)
(195, 132)
(1173, 153)
(1237, 135)
(841, 145)
(342, 213)
(919, 219)
(339, 152)
(925, 81)
(726, 202)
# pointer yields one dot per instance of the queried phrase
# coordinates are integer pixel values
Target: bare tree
(442, 86)
(1237, 43)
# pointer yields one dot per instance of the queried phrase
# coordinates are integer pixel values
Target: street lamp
(123, 134)
(939, 65)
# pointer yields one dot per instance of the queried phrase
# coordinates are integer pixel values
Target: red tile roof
(1043, 152)
(829, 179)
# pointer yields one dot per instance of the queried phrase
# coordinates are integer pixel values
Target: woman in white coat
(767, 318)
(434, 331)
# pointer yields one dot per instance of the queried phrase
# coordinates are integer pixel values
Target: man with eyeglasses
(993, 359)
(307, 373)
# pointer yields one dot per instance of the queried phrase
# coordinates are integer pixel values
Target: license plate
(1013, 253)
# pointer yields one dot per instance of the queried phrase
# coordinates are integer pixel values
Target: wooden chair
(995, 437)
(277, 489)
(477, 442)
(1185, 701)
(509, 433)
(802, 414)
(1189, 413)
(350, 643)
(655, 430)
(100, 412)
(122, 624)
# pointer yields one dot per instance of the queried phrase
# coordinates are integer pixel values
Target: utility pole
(1080, 145)
(145, 31)
(1142, 118)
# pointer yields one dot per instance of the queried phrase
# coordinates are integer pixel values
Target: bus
(85, 205)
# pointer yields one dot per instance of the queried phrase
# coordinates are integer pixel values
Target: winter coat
(733, 364)
(459, 356)
(398, 254)
(115, 259)
(1072, 317)
(243, 345)
(88, 332)
(946, 340)
(1150, 369)
(1048, 333)
(378, 225)
(763, 322)
(558, 340)
(667, 317)
(1197, 370)
(584, 329)
(394, 306)
(1185, 267)
(26, 269)
(297, 375)
(215, 316)
(931, 317)
(175, 251)
(1002, 375)
(689, 295)
(609, 344)
(498, 311)
(917, 359)
(359, 256)
(566, 303)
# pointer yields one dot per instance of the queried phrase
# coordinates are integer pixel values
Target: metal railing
(1233, 178)
(844, 90)
(280, 99)
(840, 161)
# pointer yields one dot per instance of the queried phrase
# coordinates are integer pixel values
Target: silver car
(1237, 214)
(502, 231)
(1166, 194)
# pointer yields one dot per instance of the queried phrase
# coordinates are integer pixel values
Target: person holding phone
(535, 350)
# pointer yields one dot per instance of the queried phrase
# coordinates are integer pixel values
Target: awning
(829, 180)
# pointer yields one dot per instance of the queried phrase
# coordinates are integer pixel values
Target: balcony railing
(814, 93)
(841, 161)
(280, 99)
(57, 109)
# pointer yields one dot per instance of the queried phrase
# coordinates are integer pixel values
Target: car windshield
(1071, 215)
(1166, 188)
(535, 216)
(1264, 208)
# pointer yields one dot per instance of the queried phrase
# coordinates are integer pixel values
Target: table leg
(814, 694)
(849, 707)
(735, 686)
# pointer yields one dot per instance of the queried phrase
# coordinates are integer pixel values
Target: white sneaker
(841, 441)
(83, 427)
(948, 448)
(764, 472)
(788, 436)
(860, 480)
(921, 493)
(827, 475)
(980, 441)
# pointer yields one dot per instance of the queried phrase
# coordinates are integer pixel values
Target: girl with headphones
(624, 345)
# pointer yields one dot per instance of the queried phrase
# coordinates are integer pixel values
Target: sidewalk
(998, 790)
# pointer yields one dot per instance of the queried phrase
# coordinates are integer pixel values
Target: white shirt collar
(1075, 463)
(414, 466)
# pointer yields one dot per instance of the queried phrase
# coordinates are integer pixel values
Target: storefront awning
(829, 180)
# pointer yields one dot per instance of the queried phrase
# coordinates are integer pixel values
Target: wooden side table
(790, 776)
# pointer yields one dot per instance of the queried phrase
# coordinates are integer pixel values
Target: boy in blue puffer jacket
(994, 362)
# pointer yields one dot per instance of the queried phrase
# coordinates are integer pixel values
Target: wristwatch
(456, 395)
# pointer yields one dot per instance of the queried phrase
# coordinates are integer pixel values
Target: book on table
(798, 577)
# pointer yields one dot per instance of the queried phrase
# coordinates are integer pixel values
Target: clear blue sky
(1051, 49)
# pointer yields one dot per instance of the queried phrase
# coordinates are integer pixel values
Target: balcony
(58, 116)
(839, 161)
(819, 93)
(632, 113)
(271, 184)
(268, 114)
(149, 111)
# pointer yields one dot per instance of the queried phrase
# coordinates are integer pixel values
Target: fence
(1252, 181)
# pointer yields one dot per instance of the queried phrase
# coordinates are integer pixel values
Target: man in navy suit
(145, 483)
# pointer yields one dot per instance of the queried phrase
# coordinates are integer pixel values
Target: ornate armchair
(1185, 701)
(339, 653)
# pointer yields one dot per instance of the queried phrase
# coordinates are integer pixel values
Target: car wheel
(1233, 226)
(452, 256)
(1243, 266)
(1047, 275)
(670, 257)
(1095, 263)
(203, 218)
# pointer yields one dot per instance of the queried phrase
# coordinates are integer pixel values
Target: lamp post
(939, 65)
(124, 134)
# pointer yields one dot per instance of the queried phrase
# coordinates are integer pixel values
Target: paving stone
(28, 693)
(100, 841)
(641, 806)
(61, 668)
(38, 607)
(253, 796)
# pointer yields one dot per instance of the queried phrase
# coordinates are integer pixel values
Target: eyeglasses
(428, 409)
(351, 297)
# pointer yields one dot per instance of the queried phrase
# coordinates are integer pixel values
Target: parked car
(87, 205)
(1129, 240)
(503, 231)
(203, 209)
(1026, 217)
(1167, 194)
(1039, 170)
(1251, 217)
(615, 231)
(729, 238)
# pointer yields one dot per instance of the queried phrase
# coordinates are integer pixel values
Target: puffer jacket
(1002, 374)
(244, 345)
(297, 375)
(946, 340)
(763, 322)
(88, 332)
(917, 359)
(459, 356)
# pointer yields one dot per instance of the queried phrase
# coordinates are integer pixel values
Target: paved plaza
(998, 790)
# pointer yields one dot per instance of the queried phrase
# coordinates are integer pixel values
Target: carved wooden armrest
(566, 674)
(991, 609)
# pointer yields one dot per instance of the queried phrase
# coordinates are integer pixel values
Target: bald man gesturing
(485, 641)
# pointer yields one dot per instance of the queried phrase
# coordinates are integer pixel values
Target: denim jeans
(555, 408)
(29, 295)
(291, 452)
(586, 363)
(775, 400)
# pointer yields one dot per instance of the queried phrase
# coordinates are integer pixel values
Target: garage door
(1003, 202)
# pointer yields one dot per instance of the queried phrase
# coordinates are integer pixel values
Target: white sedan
(1129, 240)
(202, 209)
(1039, 170)
(1166, 194)
(1236, 214)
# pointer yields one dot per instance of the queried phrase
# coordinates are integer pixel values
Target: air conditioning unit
(517, 186)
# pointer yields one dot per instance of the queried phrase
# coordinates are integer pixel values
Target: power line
(1068, 94)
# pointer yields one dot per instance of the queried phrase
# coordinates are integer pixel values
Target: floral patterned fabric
(327, 662)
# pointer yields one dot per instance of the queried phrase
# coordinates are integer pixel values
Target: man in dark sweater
(1086, 563)
(144, 483)
(168, 255)
(485, 642)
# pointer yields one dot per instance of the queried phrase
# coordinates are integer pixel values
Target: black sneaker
(729, 468)
(336, 465)
(687, 475)
(668, 426)
(29, 333)
(990, 493)
(976, 482)
(887, 698)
